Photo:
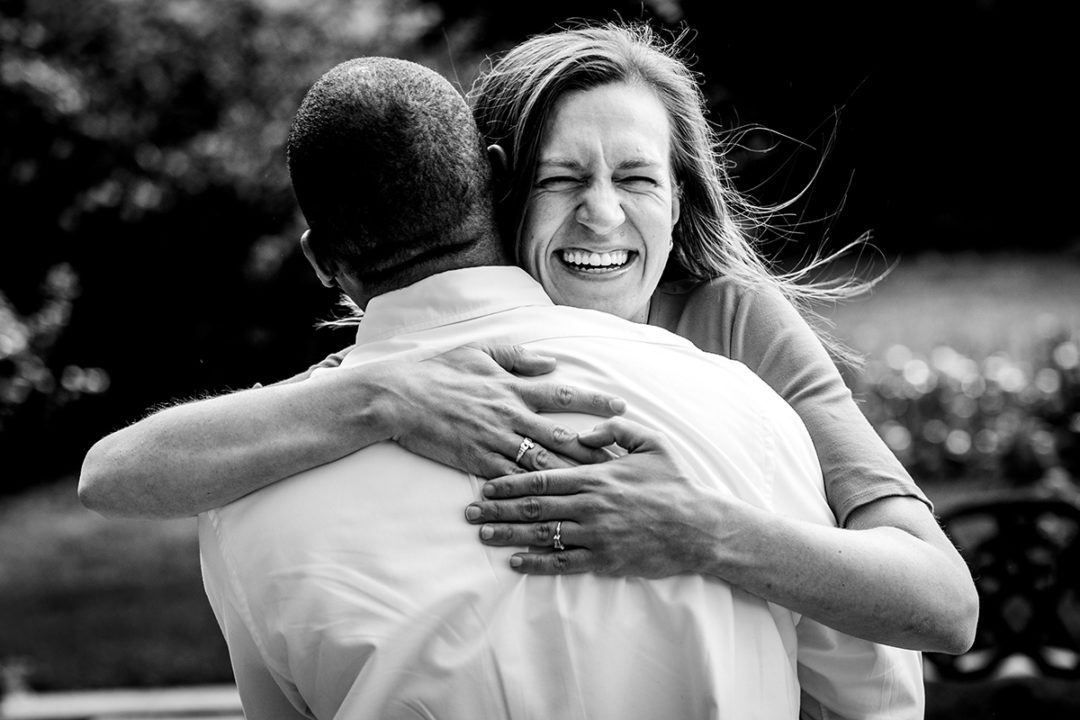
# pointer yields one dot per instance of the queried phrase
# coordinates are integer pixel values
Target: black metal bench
(1024, 553)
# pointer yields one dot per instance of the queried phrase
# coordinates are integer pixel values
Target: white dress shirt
(358, 590)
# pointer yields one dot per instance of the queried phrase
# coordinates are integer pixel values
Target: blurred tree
(146, 152)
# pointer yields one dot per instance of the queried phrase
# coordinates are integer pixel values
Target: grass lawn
(977, 304)
(89, 602)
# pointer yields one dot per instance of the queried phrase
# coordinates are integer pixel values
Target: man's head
(392, 177)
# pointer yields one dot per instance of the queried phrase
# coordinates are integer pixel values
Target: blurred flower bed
(1009, 420)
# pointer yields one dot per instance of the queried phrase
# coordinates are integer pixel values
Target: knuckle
(542, 458)
(538, 484)
(504, 533)
(542, 533)
(561, 435)
(495, 489)
(530, 509)
(560, 562)
(591, 507)
(564, 395)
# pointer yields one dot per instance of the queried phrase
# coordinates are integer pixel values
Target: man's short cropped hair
(388, 167)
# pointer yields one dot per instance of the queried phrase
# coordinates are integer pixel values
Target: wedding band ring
(557, 540)
(526, 444)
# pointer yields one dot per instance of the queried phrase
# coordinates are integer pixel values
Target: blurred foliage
(148, 164)
(30, 391)
(1001, 419)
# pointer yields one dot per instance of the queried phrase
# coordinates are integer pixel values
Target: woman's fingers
(493, 464)
(627, 434)
(516, 359)
(553, 444)
(521, 485)
(554, 441)
(563, 562)
(559, 397)
(469, 410)
(529, 509)
(541, 534)
(538, 496)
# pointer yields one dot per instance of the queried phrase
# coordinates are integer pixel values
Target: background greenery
(150, 247)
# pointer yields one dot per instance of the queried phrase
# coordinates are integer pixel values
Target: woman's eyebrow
(571, 164)
(637, 164)
(561, 163)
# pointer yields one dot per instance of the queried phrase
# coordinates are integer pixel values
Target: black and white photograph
(592, 360)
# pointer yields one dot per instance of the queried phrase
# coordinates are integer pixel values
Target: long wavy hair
(716, 234)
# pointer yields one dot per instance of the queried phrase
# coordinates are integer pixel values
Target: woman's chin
(601, 301)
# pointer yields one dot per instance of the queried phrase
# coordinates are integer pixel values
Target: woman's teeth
(582, 260)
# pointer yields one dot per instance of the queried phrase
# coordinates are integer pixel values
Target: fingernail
(486, 532)
(618, 405)
(488, 490)
(515, 561)
(472, 512)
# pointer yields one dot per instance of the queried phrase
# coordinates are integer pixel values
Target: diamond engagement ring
(526, 444)
(557, 540)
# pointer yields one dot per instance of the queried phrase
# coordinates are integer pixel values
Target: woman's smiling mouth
(595, 262)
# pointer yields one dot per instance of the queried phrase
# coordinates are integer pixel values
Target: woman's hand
(466, 408)
(640, 514)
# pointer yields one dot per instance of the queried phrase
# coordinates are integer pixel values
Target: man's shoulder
(564, 321)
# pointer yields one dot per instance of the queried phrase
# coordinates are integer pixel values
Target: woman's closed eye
(559, 182)
(642, 182)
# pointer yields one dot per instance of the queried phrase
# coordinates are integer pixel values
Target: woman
(604, 136)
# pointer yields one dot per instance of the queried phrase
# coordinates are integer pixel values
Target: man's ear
(324, 272)
(500, 165)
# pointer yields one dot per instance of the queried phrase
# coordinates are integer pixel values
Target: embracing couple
(414, 528)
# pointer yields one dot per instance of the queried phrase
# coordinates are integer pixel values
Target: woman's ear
(500, 165)
(324, 272)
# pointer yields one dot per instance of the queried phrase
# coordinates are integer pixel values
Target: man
(359, 590)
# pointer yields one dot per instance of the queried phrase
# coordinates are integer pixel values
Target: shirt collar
(449, 297)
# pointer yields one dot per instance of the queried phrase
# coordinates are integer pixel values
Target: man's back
(359, 589)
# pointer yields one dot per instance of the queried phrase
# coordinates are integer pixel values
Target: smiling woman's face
(597, 226)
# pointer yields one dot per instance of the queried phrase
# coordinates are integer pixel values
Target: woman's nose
(600, 208)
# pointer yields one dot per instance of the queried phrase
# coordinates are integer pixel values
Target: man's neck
(481, 253)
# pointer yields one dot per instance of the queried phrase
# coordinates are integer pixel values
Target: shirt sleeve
(770, 336)
(263, 694)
